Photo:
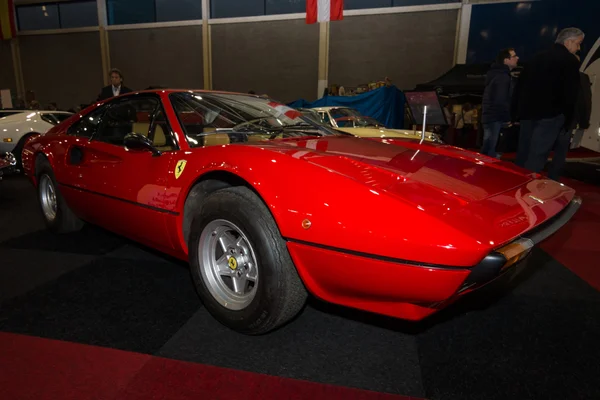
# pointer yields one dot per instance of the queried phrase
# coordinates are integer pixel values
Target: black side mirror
(135, 141)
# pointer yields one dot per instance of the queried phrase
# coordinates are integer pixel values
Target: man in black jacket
(549, 87)
(497, 99)
(116, 87)
(583, 109)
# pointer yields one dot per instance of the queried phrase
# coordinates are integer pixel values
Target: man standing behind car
(497, 99)
(583, 109)
(550, 85)
(116, 87)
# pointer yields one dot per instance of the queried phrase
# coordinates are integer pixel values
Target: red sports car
(268, 205)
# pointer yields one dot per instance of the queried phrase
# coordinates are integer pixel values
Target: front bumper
(509, 256)
(405, 290)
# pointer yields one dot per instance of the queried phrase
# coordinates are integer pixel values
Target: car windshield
(312, 115)
(351, 118)
(241, 118)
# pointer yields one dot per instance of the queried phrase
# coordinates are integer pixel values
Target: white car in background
(17, 125)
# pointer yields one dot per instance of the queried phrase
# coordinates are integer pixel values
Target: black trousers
(537, 139)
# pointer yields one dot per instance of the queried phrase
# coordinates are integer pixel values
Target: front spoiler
(495, 264)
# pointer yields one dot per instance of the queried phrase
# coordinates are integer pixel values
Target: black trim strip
(162, 210)
(377, 257)
(551, 226)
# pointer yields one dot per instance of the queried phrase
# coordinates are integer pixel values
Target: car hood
(410, 169)
(386, 133)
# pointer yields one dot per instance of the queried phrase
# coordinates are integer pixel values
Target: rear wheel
(240, 264)
(57, 214)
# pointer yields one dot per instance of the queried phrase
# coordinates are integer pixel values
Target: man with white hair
(548, 89)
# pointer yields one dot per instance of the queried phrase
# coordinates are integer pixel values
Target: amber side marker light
(515, 251)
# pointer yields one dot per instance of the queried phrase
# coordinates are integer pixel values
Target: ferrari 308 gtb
(268, 205)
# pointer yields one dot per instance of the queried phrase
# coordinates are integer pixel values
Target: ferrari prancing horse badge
(179, 168)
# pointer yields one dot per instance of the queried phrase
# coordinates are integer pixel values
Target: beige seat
(160, 139)
(257, 138)
(141, 127)
(216, 139)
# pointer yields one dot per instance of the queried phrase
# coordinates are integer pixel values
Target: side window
(160, 132)
(325, 118)
(87, 125)
(124, 117)
(143, 115)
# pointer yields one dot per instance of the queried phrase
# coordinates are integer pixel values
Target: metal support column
(323, 58)
(206, 45)
(104, 42)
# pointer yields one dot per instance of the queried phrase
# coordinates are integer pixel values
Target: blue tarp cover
(385, 104)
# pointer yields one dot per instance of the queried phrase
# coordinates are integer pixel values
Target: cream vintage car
(351, 121)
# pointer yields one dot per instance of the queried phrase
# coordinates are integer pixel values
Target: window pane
(178, 10)
(237, 8)
(79, 14)
(130, 11)
(285, 6)
(87, 125)
(125, 117)
(38, 17)
(400, 3)
(355, 4)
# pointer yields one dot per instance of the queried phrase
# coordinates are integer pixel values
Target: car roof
(168, 91)
(181, 90)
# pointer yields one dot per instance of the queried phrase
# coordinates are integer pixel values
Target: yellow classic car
(349, 120)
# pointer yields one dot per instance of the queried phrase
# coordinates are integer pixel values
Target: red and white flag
(285, 111)
(324, 10)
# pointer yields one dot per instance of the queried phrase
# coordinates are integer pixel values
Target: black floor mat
(90, 240)
(540, 341)
(117, 303)
(536, 339)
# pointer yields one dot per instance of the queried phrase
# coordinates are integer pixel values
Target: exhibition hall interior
(299, 199)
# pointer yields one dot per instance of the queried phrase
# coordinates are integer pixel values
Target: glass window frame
(159, 108)
(30, 6)
(71, 131)
(58, 6)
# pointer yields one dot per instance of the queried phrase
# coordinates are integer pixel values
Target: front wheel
(240, 264)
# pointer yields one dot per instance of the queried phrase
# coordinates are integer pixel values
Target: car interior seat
(216, 139)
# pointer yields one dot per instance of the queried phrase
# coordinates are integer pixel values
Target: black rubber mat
(534, 337)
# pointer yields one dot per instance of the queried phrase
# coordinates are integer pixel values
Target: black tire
(65, 220)
(280, 293)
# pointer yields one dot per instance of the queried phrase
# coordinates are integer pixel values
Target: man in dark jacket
(116, 87)
(583, 109)
(549, 88)
(497, 99)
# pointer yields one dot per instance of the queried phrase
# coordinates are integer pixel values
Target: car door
(125, 189)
